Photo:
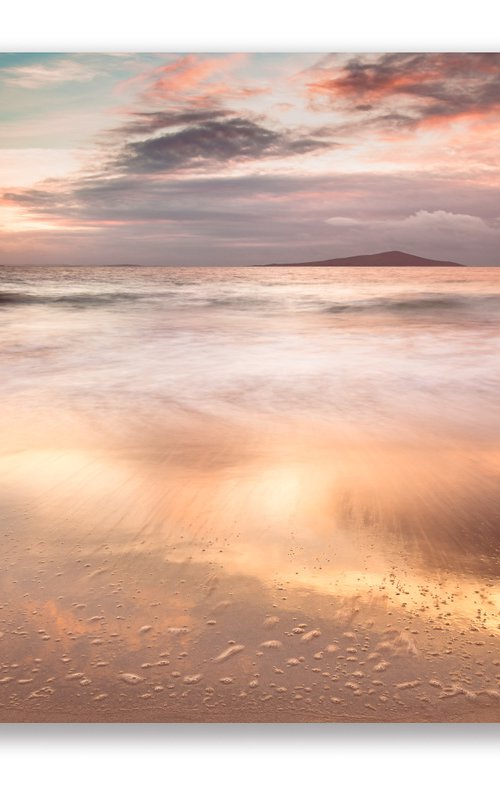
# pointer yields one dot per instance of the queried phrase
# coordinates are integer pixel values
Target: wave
(82, 299)
(93, 299)
(421, 303)
(240, 301)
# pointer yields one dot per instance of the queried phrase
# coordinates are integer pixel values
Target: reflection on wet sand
(280, 575)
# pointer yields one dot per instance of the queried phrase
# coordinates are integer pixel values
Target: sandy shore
(200, 626)
(213, 508)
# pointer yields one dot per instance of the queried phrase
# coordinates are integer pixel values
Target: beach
(249, 494)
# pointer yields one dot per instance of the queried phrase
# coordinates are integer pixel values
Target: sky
(237, 158)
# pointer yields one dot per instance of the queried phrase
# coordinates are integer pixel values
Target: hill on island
(390, 258)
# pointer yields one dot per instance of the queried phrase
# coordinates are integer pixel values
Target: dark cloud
(424, 86)
(213, 141)
(144, 122)
(363, 195)
(269, 212)
(35, 198)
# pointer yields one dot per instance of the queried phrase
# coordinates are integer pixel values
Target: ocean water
(284, 482)
(362, 347)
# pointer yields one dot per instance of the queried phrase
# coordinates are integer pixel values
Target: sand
(167, 616)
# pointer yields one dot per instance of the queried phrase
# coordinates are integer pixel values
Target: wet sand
(173, 563)
(304, 584)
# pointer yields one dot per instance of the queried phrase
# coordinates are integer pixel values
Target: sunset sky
(248, 158)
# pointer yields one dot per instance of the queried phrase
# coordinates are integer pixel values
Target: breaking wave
(438, 305)
(418, 304)
(83, 299)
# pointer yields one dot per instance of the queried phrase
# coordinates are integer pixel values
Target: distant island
(391, 258)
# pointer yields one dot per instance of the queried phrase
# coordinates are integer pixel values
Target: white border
(254, 761)
(259, 25)
(236, 762)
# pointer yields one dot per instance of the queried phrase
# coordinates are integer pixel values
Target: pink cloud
(409, 89)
